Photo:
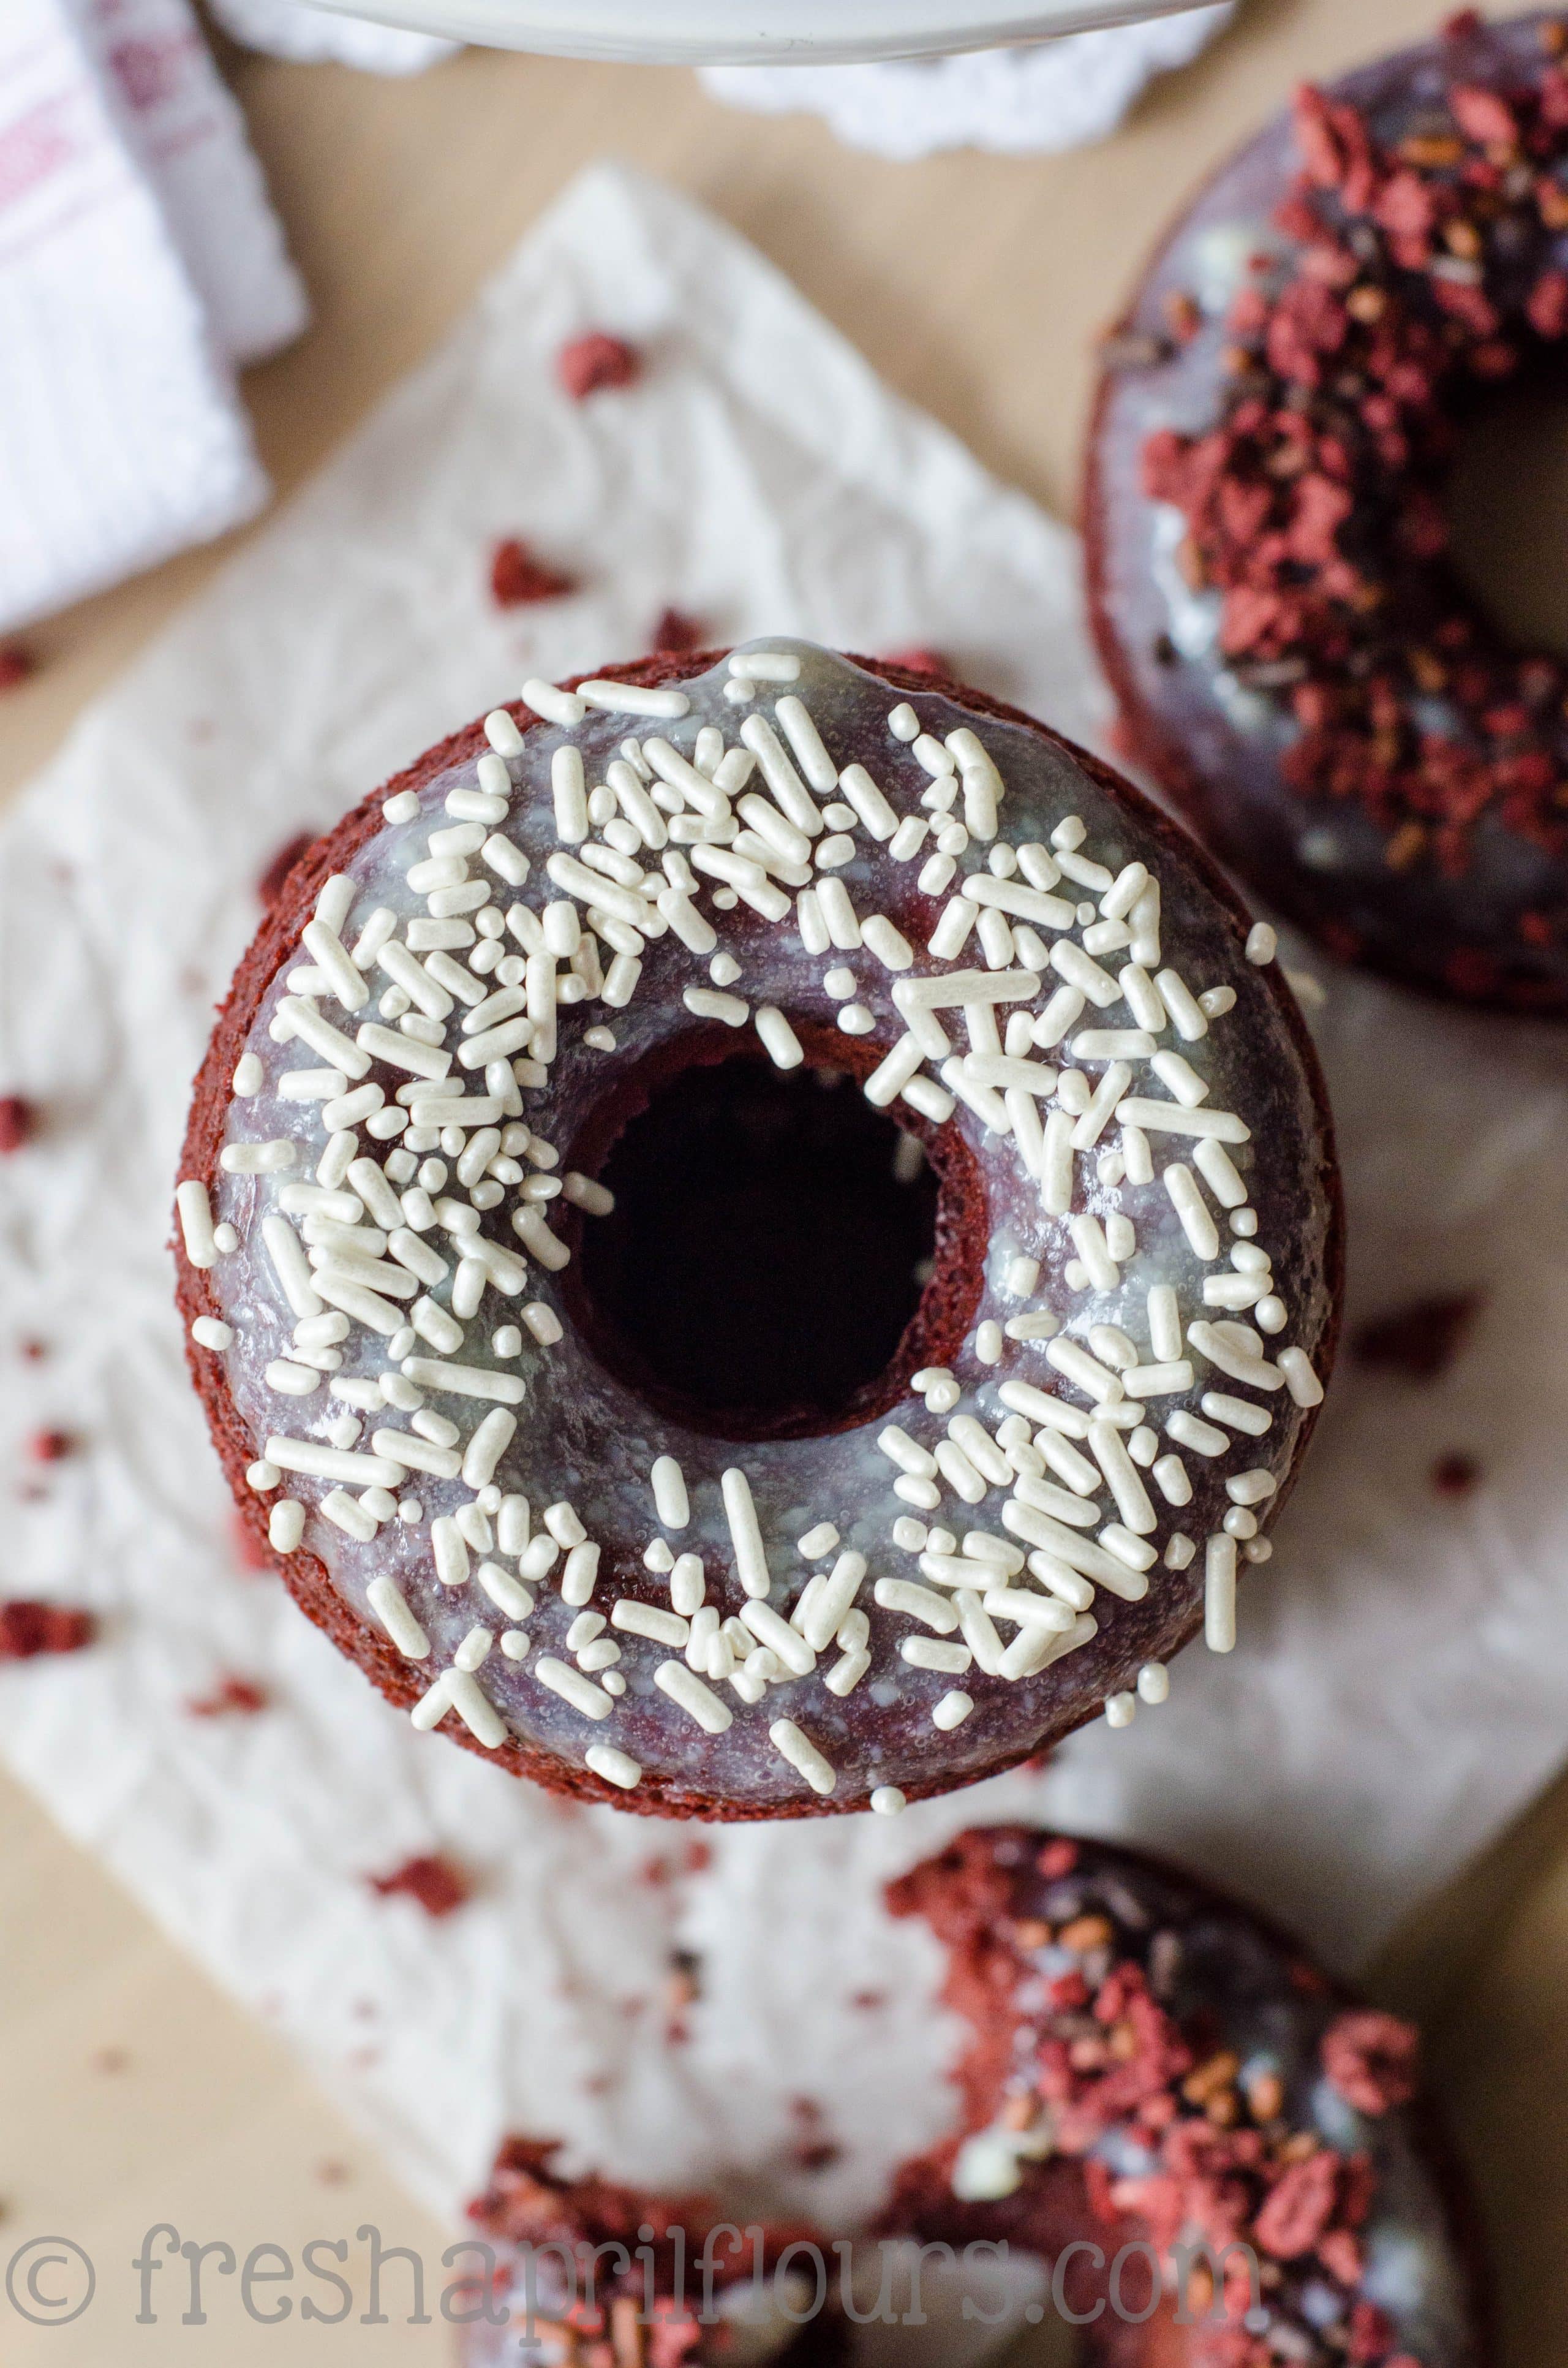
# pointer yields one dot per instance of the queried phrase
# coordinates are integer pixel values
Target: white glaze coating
(583, 1440)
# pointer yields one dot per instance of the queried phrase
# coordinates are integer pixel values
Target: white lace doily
(1019, 102)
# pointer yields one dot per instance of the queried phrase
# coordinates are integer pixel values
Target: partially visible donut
(465, 1511)
(1152, 2064)
(1296, 660)
(1152, 2071)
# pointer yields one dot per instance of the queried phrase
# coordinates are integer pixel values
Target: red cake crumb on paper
(28, 1629)
(270, 887)
(247, 1553)
(231, 1696)
(920, 661)
(1456, 1473)
(588, 363)
(517, 578)
(16, 665)
(49, 1446)
(438, 1886)
(677, 631)
(17, 1119)
(1421, 1341)
(1370, 2057)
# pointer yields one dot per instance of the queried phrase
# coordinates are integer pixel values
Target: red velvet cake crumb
(49, 1446)
(677, 631)
(27, 1628)
(270, 887)
(231, 1696)
(438, 1886)
(1419, 1342)
(921, 660)
(586, 364)
(517, 577)
(1455, 1474)
(17, 1119)
(16, 665)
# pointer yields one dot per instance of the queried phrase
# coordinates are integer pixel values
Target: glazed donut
(1151, 2063)
(1152, 2071)
(589, 2274)
(521, 1438)
(1296, 659)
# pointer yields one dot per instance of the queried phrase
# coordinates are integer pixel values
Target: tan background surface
(131, 2092)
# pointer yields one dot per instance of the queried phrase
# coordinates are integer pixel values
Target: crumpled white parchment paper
(1398, 1691)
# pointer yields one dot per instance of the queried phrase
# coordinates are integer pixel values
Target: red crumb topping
(675, 633)
(49, 1446)
(438, 1886)
(1370, 2057)
(1119, 2001)
(517, 577)
(29, 1628)
(17, 1119)
(586, 364)
(233, 1696)
(1419, 272)
(16, 665)
(270, 887)
(1418, 1343)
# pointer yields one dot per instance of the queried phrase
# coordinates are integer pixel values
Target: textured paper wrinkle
(1397, 1693)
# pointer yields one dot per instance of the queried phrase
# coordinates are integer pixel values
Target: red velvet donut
(1221, 2158)
(613, 1509)
(1296, 659)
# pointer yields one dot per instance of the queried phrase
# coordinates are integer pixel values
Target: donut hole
(781, 1256)
(1506, 504)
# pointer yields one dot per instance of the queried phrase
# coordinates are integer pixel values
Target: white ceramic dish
(753, 33)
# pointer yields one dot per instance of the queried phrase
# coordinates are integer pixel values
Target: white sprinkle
(793, 1652)
(1262, 944)
(401, 808)
(806, 741)
(649, 1620)
(1299, 1379)
(543, 1323)
(780, 1040)
(802, 1755)
(563, 707)
(631, 698)
(507, 1594)
(952, 1710)
(390, 1605)
(286, 1525)
(616, 1767)
(1200, 1437)
(261, 1476)
(888, 1080)
(1193, 1210)
(1186, 1013)
(764, 665)
(900, 1448)
(1180, 1079)
(572, 1687)
(475, 1709)
(1219, 1593)
(688, 1692)
(869, 802)
(211, 1332)
(886, 1801)
(1072, 1360)
(745, 1535)
(671, 1502)
(1216, 1341)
